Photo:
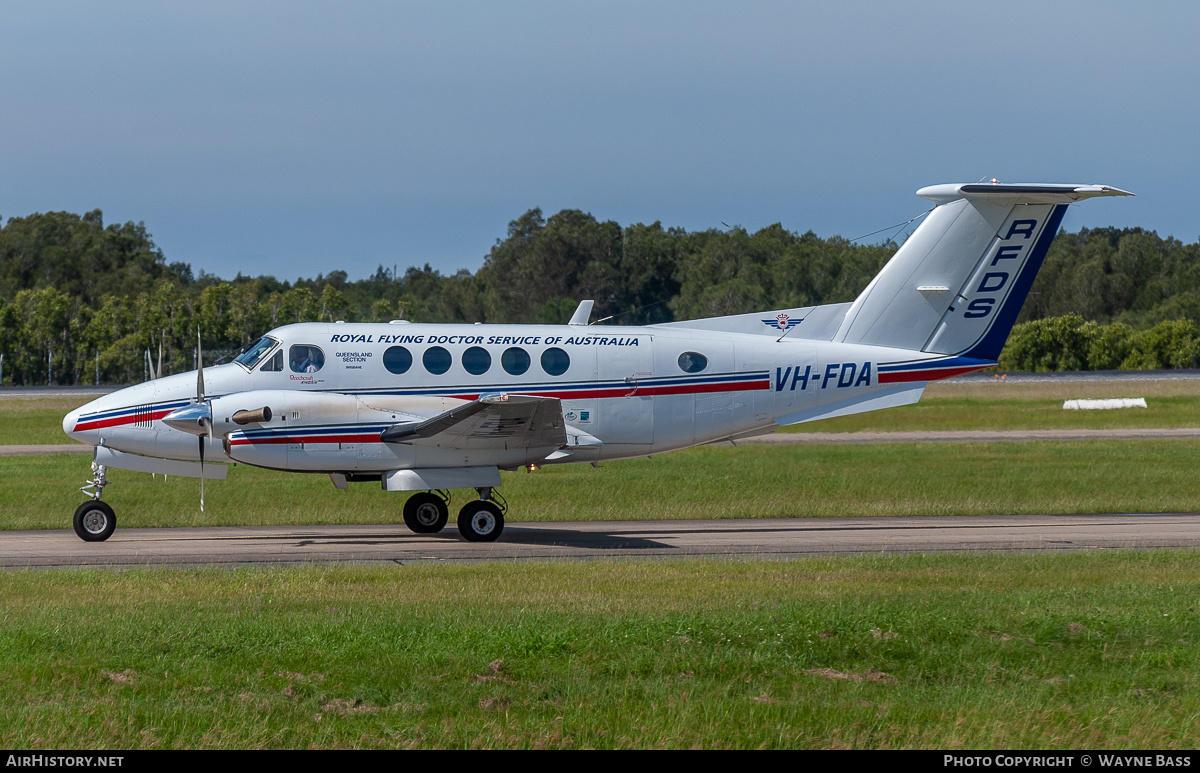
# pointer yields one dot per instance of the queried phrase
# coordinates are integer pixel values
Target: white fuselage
(627, 387)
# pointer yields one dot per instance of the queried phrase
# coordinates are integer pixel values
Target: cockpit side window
(275, 363)
(251, 356)
(306, 358)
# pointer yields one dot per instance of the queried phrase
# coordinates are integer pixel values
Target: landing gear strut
(95, 521)
(427, 512)
(483, 519)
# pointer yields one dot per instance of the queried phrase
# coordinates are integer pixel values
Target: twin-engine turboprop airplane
(429, 408)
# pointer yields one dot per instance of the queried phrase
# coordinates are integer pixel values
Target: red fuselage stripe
(634, 389)
(898, 377)
(585, 394)
(132, 418)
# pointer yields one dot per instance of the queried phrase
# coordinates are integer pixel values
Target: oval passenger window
(692, 362)
(436, 360)
(397, 360)
(555, 361)
(515, 361)
(476, 360)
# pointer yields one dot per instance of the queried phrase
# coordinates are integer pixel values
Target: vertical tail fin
(958, 283)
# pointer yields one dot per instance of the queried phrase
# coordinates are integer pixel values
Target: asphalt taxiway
(778, 538)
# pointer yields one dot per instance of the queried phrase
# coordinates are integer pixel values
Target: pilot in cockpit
(305, 360)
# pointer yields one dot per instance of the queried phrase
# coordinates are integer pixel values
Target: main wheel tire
(426, 513)
(480, 521)
(94, 521)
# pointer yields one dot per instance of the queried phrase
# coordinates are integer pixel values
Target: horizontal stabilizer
(1019, 193)
(888, 397)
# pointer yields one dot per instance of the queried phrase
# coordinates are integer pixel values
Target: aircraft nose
(69, 422)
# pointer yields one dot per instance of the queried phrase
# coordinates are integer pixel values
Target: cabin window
(555, 361)
(306, 358)
(515, 360)
(476, 360)
(275, 363)
(692, 362)
(397, 360)
(436, 360)
(251, 356)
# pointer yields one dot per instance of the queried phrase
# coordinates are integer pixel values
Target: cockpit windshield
(251, 356)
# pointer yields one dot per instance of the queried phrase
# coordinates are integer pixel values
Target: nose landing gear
(95, 521)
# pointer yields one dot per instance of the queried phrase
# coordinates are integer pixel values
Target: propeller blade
(205, 420)
(201, 438)
(199, 369)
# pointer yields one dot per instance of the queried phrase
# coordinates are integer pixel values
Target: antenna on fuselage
(582, 314)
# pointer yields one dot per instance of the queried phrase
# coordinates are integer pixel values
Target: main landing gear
(95, 521)
(481, 520)
(427, 512)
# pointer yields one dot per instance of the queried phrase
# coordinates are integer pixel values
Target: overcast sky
(297, 138)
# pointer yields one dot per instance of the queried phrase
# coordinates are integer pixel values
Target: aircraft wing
(492, 421)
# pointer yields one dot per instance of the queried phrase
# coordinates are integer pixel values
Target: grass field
(709, 482)
(955, 652)
(34, 421)
(1086, 650)
(1010, 406)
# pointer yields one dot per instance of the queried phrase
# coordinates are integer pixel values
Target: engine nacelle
(317, 431)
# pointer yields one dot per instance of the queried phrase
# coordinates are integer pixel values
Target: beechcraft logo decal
(782, 322)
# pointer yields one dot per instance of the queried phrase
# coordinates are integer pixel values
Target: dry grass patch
(869, 676)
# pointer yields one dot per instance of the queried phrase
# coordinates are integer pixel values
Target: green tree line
(79, 298)
(1070, 343)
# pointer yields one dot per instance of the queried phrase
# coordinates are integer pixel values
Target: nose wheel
(94, 521)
